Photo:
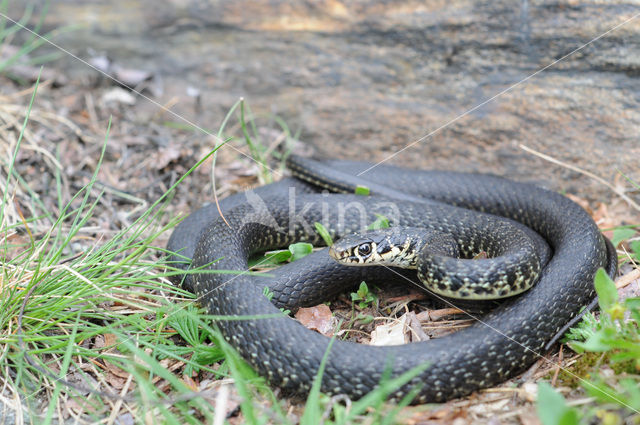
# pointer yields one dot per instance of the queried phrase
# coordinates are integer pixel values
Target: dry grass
(58, 157)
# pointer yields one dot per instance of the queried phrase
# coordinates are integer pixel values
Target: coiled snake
(508, 339)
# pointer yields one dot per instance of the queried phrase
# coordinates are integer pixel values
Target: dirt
(451, 85)
(367, 79)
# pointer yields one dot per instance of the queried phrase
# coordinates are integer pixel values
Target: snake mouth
(346, 256)
(337, 253)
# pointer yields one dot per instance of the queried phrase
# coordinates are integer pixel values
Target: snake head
(390, 247)
(393, 247)
(355, 249)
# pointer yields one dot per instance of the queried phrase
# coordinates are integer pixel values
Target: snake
(436, 255)
(249, 308)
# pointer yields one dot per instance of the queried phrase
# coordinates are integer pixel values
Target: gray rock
(366, 78)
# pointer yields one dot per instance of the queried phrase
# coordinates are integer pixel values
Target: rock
(447, 84)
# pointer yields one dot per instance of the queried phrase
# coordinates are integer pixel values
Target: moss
(587, 363)
(579, 370)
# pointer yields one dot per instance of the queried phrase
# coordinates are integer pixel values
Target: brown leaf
(79, 406)
(115, 370)
(110, 339)
(601, 214)
(390, 333)
(189, 382)
(317, 318)
(435, 315)
(443, 415)
(529, 418)
(482, 255)
(165, 155)
(414, 328)
(116, 376)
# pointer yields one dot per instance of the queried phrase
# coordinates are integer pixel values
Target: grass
(264, 154)
(609, 369)
(78, 324)
(78, 313)
(614, 380)
(89, 323)
(22, 55)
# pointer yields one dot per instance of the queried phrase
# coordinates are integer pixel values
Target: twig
(626, 279)
(581, 171)
(556, 372)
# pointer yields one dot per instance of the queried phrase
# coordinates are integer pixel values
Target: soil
(453, 85)
(366, 79)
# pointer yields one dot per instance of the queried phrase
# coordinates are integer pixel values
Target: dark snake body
(507, 341)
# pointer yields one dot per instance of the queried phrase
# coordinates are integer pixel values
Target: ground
(361, 82)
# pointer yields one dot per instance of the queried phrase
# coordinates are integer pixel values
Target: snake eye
(364, 249)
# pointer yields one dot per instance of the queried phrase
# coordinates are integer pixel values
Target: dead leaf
(166, 155)
(118, 95)
(490, 407)
(529, 392)
(110, 339)
(414, 328)
(482, 255)
(189, 382)
(414, 296)
(601, 215)
(443, 415)
(116, 376)
(390, 333)
(317, 318)
(605, 215)
(130, 77)
(529, 418)
(435, 315)
(79, 406)
(115, 370)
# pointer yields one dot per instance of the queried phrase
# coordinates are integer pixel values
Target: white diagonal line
(498, 331)
(480, 105)
(147, 98)
(180, 117)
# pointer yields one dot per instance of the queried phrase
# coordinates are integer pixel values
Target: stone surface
(367, 79)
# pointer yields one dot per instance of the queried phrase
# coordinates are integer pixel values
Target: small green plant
(622, 234)
(21, 55)
(552, 408)
(324, 233)
(294, 252)
(381, 222)
(299, 250)
(613, 331)
(362, 190)
(617, 336)
(269, 294)
(64, 298)
(363, 296)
